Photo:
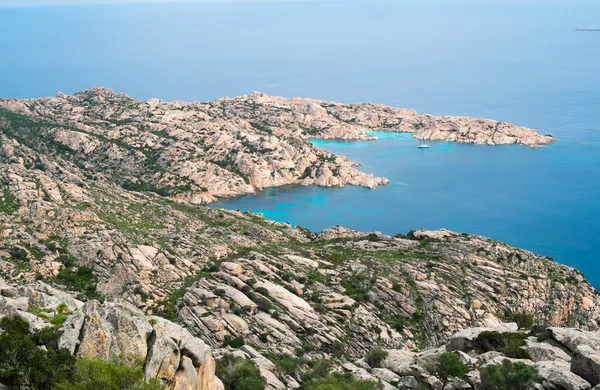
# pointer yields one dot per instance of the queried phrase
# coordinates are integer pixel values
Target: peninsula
(199, 152)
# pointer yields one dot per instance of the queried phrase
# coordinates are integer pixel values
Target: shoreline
(203, 151)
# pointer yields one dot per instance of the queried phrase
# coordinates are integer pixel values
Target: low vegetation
(508, 343)
(33, 360)
(238, 373)
(448, 366)
(508, 376)
(375, 357)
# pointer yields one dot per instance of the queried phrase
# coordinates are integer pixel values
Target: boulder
(572, 338)
(559, 376)
(463, 340)
(586, 364)
(399, 361)
(385, 374)
(545, 352)
(169, 352)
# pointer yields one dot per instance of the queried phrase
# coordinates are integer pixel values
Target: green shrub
(375, 357)
(285, 364)
(494, 341)
(220, 292)
(264, 304)
(80, 279)
(337, 349)
(450, 365)
(318, 369)
(512, 349)
(523, 320)
(262, 291)
(116, 374)
(373, 237)
(23, 364)
(337, 381)
(358, 286)
(508, 376)
(238, 373)
(236, 342)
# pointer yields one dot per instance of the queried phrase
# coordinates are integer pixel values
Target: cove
(543, 200)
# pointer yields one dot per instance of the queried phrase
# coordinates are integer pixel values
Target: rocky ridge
(199, 152)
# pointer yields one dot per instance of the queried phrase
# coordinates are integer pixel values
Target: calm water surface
(515, 61)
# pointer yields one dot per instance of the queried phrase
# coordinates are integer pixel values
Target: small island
(588, 29)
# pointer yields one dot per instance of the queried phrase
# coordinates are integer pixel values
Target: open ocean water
(511, 60)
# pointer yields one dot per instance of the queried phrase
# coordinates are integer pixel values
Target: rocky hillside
(238, 281)
(99, 202)
(198, 152)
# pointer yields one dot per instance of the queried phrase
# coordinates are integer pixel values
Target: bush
(262, 291)
(318, 369)
(494, 341)
(220, 292)
(285, 364)
(31, 360)
(264, 304)
(236, 342)
(80, 279)
(523, 320)
(238, 373)
(116, 374)
(375, 357)
(512, 349)
(508, 376)
(339, 381)
(450, 365)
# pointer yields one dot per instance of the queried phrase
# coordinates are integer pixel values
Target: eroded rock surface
(169, 352)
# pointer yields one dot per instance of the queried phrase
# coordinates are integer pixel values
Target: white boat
(423, 146)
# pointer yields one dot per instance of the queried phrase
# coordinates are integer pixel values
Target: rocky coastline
(101, 241)
(200, 152)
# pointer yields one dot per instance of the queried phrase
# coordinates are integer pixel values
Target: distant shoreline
(588, 29)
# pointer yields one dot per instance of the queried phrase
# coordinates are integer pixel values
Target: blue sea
(512, 60)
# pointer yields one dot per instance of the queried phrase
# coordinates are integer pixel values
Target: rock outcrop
(92, 330)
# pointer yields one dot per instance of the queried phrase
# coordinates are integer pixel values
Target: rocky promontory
(199, 152)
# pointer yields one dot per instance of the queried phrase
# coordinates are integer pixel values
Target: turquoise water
(515, 61)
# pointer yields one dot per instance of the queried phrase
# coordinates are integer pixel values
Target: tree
(375, 357)
(31, 360)
(508, 376)
(238, 373)
(450, 365)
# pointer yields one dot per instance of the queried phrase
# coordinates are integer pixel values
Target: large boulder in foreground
(169, 352)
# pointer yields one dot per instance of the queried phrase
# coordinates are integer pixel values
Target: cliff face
(198, 152)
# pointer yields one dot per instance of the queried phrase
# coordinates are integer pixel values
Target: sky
(35, 3)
